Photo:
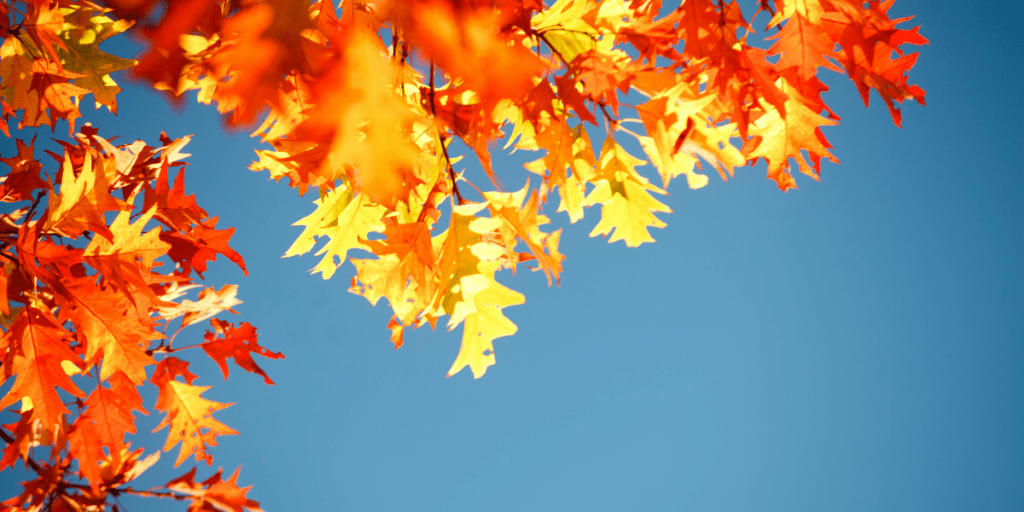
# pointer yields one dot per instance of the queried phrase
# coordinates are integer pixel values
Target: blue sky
(856, 344)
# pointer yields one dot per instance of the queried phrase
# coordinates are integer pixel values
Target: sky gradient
(856, 344)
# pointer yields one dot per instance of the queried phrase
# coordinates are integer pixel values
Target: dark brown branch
(451, 172)
(149, 494)
(433, 106)
(444, 147)
(608, 117)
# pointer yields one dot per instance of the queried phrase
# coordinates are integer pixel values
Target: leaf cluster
(98, 305)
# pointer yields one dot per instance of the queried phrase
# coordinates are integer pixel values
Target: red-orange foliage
(362, 102)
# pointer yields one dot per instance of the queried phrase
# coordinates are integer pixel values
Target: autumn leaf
(465, 41)
(223, 495)
(198, 244)
(211, 302)
(82, 202)
(627, 206)
(190, 417)
(568, 149)
(803, 44)
(564, 26)
(345, 219)
(174, 209)
(81, 54)
(521, 222)
(38, 355)
(778, 138)
(238, 343)
(23, 177)
(112, 330)
(462, 249)
(484, 320)
(27, 433)
(402, 272)
(40, 88)
(670, 116)
(102, 427)
(125, 260)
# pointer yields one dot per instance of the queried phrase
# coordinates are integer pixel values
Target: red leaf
(105, 422)
(239, 343)
(214, 493)
(35, 352)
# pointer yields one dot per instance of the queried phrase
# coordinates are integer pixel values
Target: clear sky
(856, 344)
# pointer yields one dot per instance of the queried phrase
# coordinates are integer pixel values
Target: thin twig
(149, 494)
(444, 147)
(451, 173)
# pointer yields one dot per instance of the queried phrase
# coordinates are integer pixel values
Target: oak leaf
(627, 206)
(521, 221)
(23, 178)
(83, 200)
(112, 329)
(189, 415)
(38, 355)
(342, 217)
(108, 417)
(196, 245)
(238, 343)
(125, 260)
(81, 54)
(485, 321)
(211, 302)
(777, 139)
(27, 433)
(402, 272)
(214, 493)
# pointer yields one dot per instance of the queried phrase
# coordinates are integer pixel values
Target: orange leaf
(112, 330)
(126, 260)
(105, 422)
(780, 138)
(214, 493)
(189, 415)
(36, 350)
(201, 243)
(27, 433)
(519, 221)
(23, 179)
(239, 343)
(83, 200)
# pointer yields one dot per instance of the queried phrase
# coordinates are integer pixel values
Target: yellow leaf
(519, 221)
(345, 220)
(190, 417)
(809, 9)
(129, 241)
(627, 206)
(82, 33)
(563, 27)
(211, 302)
(461, 250)
(82, 201)
(486, 322)
(780, 138)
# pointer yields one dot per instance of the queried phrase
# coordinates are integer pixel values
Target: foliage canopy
(363, 102)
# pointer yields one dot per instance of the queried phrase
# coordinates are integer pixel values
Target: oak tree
(370, 105)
